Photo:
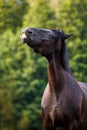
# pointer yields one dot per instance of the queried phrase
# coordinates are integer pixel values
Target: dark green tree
(41, 15)
(72, 19)
(23, 73)
(11, 14)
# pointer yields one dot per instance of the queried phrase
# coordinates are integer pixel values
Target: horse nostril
(29, 32)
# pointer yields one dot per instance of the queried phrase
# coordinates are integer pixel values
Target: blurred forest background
(23, 74)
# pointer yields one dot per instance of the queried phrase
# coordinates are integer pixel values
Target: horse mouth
(29, 42)
(23, 37)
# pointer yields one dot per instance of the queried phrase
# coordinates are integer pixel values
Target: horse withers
(64, 102)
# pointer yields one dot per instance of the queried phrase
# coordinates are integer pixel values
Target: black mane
(64, 52)
(64, 57)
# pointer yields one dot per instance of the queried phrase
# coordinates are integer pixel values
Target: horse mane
(64, 52)
(64, 57)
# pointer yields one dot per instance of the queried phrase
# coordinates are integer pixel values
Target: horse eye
(52, 36)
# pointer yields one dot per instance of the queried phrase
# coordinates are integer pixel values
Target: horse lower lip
(22, 40)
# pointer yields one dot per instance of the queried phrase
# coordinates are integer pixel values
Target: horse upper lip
(23, 35)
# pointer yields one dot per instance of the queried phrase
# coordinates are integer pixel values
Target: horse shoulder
(46, 98)
(83, 87)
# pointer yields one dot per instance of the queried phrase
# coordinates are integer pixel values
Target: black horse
(64, 102)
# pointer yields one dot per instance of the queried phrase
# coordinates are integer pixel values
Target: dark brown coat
(64, 102)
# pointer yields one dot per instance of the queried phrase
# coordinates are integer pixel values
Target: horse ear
(67, 36)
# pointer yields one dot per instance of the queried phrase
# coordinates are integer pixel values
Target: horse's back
(82, 83)
(83, 86)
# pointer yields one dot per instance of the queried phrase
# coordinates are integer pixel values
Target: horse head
(46, 42)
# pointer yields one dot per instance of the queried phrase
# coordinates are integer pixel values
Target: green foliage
(17, 71)
(6, 107)
(72, 19)
(23, 74)
(11, 14)
(40, 15)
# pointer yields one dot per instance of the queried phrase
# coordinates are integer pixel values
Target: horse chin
(36, 47)
(23, 40)
(41, 52)
(38, 50)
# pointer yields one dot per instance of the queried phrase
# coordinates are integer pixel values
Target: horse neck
(55, 73)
